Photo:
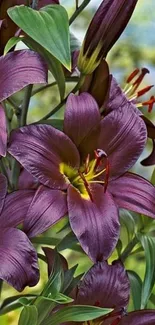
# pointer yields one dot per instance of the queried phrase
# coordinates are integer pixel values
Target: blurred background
(135, 48)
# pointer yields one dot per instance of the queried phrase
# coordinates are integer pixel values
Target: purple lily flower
(104, 30)
(18, 258)
(3, 132)
(108, 286)
(83, 172)
(116, 98)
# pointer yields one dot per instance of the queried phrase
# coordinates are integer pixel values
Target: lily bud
(104, 30)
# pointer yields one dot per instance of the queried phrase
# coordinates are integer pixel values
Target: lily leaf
(49, 27)
(28, 316)
(76, 314)
(11, 43)
(148, 244)
(136, 288)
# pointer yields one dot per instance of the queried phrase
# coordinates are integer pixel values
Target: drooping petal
(135, 193)
(47, 207)
(3, 132)
(27, 181)
(18, 259)
(19, 69)
(105, 285)
(94, 223)
(140, 317)
(150, 160)
(40, 149)
(81, 121)
(15, 207)
(123, 137)
(3, 190)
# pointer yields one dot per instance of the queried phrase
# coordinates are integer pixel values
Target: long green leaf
(148, 244)
(76, 314)
(49, 27)
(136, 288)
(28, 316)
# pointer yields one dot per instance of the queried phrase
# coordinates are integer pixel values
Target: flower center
(131, 88)
(92, 171)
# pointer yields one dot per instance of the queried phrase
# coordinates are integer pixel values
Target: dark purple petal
(150, 160)
(140, 317)
(27, 181)
(107, 25)
(135, 193)
(18, 259)
(94, 223)
(40, 149)
(116, 98)
(3, 132)
(43, 3)
(15, 207)
(19, 69)
(3, 190)
(81, 121)
(105, 285)
(150, 127)
(123, 137)
(47, 207)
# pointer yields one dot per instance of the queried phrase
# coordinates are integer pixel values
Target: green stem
(25, 105)
(78, 11)
(128, 249)
(56, 109)
(69, 79)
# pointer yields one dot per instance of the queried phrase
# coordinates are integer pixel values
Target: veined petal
(105, 285)
(3, 190)
(27, 181)
(123, 137)
(18, 259)
(47, 207)
(81, 121)
(40, 149)
(135, 193)
(94, 223)
(19, 69)
(140, 317)
(15, 207)
(3, 132)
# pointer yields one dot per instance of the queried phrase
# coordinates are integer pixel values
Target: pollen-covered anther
(132, 86)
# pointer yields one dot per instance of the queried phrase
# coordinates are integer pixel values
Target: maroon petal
(82, 118)
(3, 190)
(94, 223)
(105, 285)
(15, 207)
(3, 132)
(19, 69)
(40, 149)
(134, 193)
(47, 207)
(123, 137)
(150, 160)
(140, 317)
(18, 259)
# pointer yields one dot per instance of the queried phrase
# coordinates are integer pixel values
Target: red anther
(144, 90)
(138, 81)
(132, 75)
(86, 185)
(107, 175)
(149, 103)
